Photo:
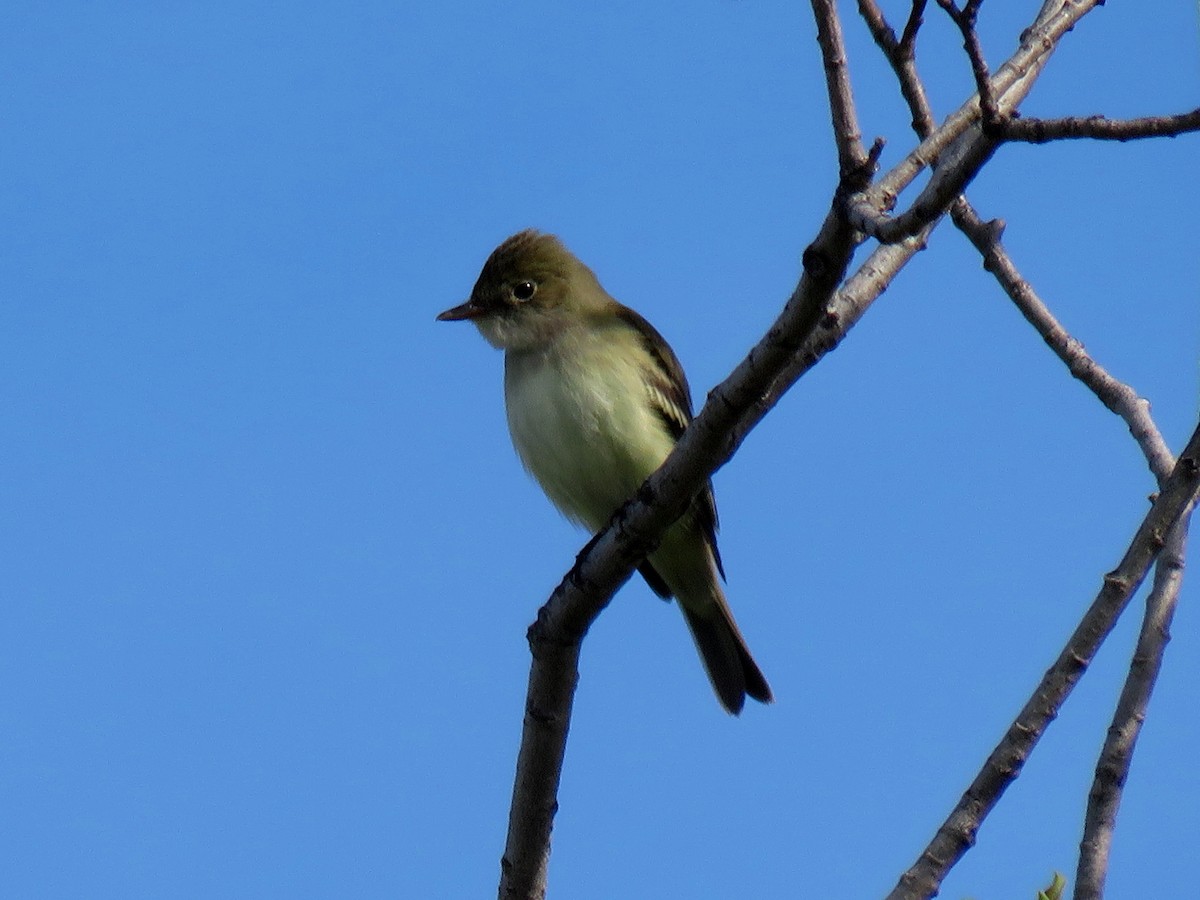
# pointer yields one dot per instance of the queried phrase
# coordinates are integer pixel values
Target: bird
(595, 400)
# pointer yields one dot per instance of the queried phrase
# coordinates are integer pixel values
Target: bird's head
(531, 288)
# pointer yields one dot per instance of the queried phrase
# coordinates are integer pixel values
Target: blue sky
(269, 557)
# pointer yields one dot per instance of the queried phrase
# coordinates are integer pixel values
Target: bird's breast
(581, 422)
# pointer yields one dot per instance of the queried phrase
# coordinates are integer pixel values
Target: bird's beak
(468, 310)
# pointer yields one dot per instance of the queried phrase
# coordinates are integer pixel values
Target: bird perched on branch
(596, 399)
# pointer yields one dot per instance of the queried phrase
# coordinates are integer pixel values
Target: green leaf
(1057, 885)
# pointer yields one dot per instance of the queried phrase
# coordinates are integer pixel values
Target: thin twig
(950, 178)
(1011, 126)
(965, 19)
(1099, 128)
(908, 39)
(851, 154)
(1117, 396)
(1010, 83)
(901, 55)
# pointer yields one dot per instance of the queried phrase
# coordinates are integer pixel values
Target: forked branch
(1118, 397)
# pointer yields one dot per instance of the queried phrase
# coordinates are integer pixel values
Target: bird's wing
(672, 400)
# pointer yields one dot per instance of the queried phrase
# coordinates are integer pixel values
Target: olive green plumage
(596, 399)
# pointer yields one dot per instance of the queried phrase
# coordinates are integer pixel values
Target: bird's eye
(524, 291)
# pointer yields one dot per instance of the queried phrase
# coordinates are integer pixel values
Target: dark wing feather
(655, 580)
(672, 400)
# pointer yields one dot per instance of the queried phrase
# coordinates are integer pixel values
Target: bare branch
(1116, 756)
(1039, 131)
(957, 833)
(883, 33)
(965, 19)
(1119, 397)
(1113, 765)
(851, 155)
(915, 19)
(955, 170)
(1011, 83)
(1010, 126)
(852, 300)
(958, 162)
(813, 321)
(884, 36)
(900, 55)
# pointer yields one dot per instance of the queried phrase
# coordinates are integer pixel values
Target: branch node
(1116, 581)
(814, 262)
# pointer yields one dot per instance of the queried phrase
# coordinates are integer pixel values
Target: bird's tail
(727, 660)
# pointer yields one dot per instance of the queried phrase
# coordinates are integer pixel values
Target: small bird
(596, 399)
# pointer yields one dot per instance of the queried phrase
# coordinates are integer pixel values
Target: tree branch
(1010, 126)
(950, 177)
(1115, 757)
(965, 19)
(848, 305)
(1006, 89)
(851, 155)
(1117, 396)
(957, 833)
(901, 55)
(1039, 131)
(1010, 83)
(814, 321)
(1117, 754)
(908, 39)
